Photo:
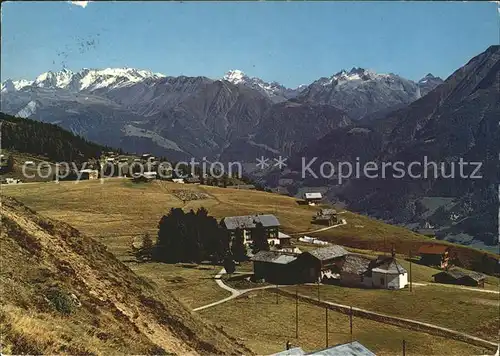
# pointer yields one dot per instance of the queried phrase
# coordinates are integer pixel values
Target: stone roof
(327, 212)
(327, 253)
(250, 221)
(273, 257)
(458, 274)
(315, 195)
(388, 265)
(355, 264)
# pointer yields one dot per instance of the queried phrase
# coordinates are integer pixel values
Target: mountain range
(457, 119)
(139, 110)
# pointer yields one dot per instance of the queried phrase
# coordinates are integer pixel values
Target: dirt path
(234, 292)
(457, 287)
(383, 318)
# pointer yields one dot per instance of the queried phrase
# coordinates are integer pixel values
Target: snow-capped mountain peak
(274, 90)
(235, 76)
(15, 85)
(86, 79)
(362, 91)
(50, 79)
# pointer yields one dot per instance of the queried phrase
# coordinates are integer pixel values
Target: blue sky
(290, 42)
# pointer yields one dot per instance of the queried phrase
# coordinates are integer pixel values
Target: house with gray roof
(325, 217)
(312, 198)
(386, 272)
(248, 223)
(361, 271)
(457, 276)
(317, 263)
(325, 254)
(275, 267)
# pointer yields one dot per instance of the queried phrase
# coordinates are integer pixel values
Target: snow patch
(28, 110)
(131, 130)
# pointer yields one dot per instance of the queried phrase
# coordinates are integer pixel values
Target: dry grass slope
(63, 292)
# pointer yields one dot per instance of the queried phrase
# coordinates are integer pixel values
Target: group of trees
(196, 236)
(49, 140)
(191, 237)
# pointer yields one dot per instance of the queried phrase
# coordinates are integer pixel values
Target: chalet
(275, 267)
(313, 198)
(456, 276)
(192, 180)
(89, 174)
(387, 272)
(316, 264)
(326, 217)
(360, 271)
(281, 240)
(145, 177)
(247, 223)
(434, 255)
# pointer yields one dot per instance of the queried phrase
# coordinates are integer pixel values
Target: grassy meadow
(118, 213)
(265, 326)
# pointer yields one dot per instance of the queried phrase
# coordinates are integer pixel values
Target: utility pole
(297, 311)
(404, 347)
(326, 325)
(277, 295)
(350, 322)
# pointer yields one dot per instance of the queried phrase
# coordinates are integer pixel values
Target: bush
(61, 301)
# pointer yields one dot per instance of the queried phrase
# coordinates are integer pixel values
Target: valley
(356, 114)
(250, 178)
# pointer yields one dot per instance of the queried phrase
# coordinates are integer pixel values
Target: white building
(313, 198)
(389, 275)
(360, 271)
